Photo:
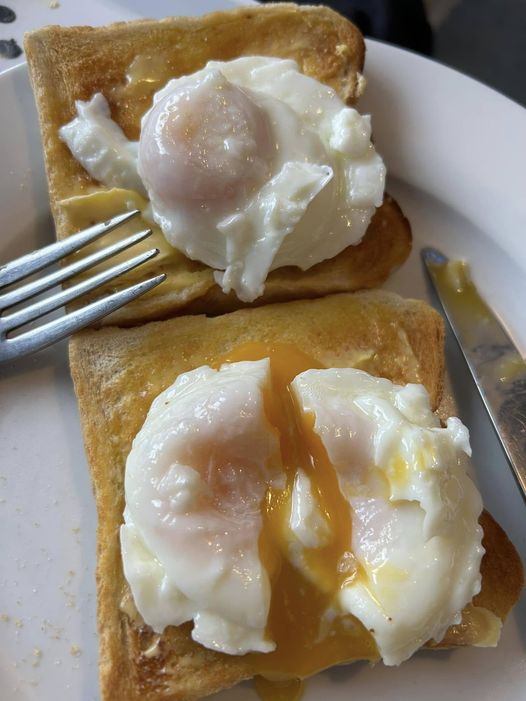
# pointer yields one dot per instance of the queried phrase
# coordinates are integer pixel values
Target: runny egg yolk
(304, 620)
(207, 141)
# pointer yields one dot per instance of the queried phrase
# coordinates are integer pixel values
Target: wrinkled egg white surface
(415, 529)
(195, 478)
(249, 166)
(198, 472)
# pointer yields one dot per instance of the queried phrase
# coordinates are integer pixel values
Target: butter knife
(497, 367)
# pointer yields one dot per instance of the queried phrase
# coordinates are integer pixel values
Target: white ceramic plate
(455, 151)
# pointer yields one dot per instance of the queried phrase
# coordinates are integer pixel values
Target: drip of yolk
(305, 621)
(287, 690)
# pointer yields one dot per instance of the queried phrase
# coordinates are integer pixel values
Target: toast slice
(128, 63)
(118, 372)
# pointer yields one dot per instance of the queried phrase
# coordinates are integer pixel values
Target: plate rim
(21, 68)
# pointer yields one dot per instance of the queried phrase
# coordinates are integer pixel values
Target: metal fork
(52, 331)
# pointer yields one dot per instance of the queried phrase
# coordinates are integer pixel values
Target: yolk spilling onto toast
(302, 621)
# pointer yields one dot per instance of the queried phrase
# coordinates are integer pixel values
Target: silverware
(497, 367)
(37, 338)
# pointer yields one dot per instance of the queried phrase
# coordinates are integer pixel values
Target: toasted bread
(68, 64)
(118, 372)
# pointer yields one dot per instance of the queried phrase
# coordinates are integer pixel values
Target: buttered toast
(128, 63)
(118, 372)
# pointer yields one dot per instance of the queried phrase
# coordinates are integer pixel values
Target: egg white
(313, 177)
(325, 180)
(415, 511)
(195, 478)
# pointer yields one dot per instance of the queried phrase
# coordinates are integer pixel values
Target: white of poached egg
(416, 541)
(372, 518)
(249, 166)
(197, 473)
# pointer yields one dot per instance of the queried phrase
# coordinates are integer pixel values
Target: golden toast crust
(73, 63)
(118, 372)
(382, 250)
(67, 64)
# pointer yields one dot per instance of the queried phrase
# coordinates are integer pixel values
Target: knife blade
(498, 369)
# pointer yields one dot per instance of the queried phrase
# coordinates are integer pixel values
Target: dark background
(485, 39)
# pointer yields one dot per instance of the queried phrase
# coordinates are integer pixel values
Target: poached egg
(195, 481)
(302, 516)
(249, 166)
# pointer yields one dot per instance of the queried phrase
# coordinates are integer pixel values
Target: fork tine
(36, 260)
(45, 283)
(55, 330)
(34, 311)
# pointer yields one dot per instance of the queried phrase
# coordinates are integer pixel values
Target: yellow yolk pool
(304, 618)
